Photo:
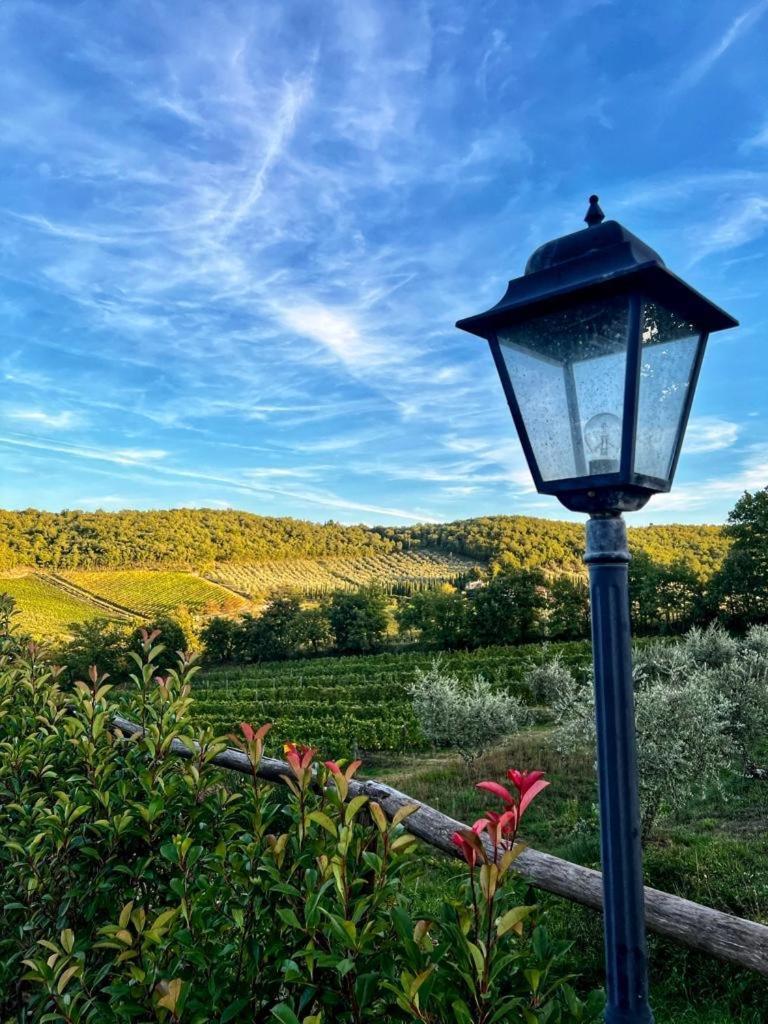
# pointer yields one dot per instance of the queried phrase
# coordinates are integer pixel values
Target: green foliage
(740, 590)
(201, 538)
(509, 609)
(175, 642)
(101, 642)
(168, 538)
(567, 614)
(440, 618)
(218, 639)
(701, 708)
(137, 885)
(558, 546)
(551, 682)
(468, 717)
(358, 620)
(273, 635)
(343, 704)
(665, 598)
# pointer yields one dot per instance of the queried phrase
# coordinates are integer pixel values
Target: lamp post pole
(626, 959)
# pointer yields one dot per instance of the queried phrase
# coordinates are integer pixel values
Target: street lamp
(598, 347)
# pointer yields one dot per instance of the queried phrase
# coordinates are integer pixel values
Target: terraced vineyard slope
(353, 703)
(45, 609)
(396, 571)
(148, 592)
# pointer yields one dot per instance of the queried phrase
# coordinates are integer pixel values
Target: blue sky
(235, 236)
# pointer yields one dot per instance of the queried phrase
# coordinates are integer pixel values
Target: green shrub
(467, 717)
(139, 886)
(683, 727)
(549, 682)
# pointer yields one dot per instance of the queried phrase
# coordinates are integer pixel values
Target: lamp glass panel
(567, 371)
(669, 345)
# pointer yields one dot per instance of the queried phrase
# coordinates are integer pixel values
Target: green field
(714, 852)
(339, 704)
(45, 610)
(148, 592)
(391, 570)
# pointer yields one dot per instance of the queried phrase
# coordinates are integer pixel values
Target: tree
(101, 642)
(315, 629)
(467, 717)
(359, 620)
(683, 726)
(508, 609)
(279, 629)
(274, 635)
(739, 591)
(568, 609)
(441, 617)
(218, 640)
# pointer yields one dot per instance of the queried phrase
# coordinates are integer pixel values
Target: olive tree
(463, 716)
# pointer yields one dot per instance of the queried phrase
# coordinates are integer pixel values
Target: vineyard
(354, 703)
(45, 610)
(148, 592)
(396, 572)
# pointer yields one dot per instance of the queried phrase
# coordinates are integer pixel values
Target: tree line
(198, 538)
(504, 605)
(513, 605)
(172, 538)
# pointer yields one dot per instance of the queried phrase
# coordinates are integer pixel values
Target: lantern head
(598, 347)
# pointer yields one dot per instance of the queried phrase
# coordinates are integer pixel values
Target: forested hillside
(174, 538)
(198, 538)
(529, 543)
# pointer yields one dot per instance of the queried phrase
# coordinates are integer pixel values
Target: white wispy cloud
(238, 264)
(52, 420)
(742, 220)
(717, 491)
(709, 434)
(703, 64)
(241, 484)
(338, 332)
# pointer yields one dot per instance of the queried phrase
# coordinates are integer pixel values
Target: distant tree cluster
(511, 606)
(175, 538)
(535, 586)
(348, 622)
(555, 545)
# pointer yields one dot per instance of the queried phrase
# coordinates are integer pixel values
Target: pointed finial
(595, 215)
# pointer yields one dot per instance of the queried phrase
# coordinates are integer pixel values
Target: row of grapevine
(45, 610)
(354, 703)
(151, 592)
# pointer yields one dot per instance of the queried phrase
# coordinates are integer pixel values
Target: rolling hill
(67, 567)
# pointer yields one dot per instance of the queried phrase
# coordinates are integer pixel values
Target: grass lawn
(716, 854)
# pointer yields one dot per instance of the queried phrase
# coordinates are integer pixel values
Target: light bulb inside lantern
(602, 436)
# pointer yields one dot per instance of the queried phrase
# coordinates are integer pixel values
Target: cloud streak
(235, 240)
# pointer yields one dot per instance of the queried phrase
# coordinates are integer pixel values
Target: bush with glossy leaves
(139, 886)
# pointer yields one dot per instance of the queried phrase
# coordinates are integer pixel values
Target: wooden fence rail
(721, 935)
